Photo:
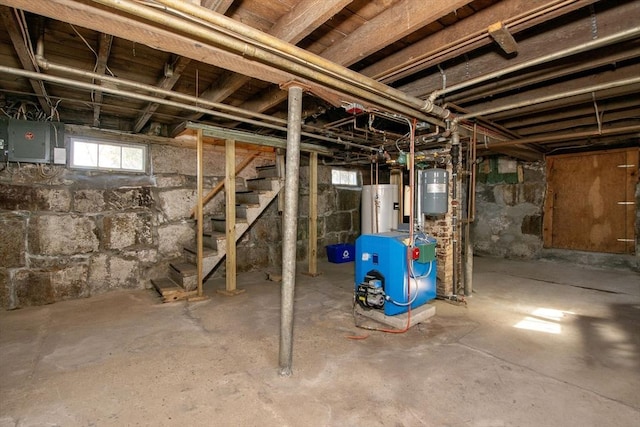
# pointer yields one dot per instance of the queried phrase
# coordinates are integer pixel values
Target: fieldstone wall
(72, 234)
(509, 207)
(338, 212)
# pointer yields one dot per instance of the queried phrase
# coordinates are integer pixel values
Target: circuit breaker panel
(29, 141)
(32, 142)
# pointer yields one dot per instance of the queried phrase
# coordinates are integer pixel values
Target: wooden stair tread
(185, 268)
(223, 218)
(218, 235)
(207, 252)
(265, 178)
(166, 286)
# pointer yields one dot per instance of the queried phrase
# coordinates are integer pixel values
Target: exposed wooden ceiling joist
(390, 26)
(293, 27)
(466, 35)
(167, 82)
(571, 34)
(104, 49)
(129, 28)
(22, 50)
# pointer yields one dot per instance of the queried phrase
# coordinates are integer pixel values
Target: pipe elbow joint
(42, 62)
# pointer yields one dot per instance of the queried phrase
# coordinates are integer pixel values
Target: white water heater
(379, 210)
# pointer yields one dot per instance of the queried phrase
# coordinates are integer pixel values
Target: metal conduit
(249, 43)
(540, 100)
(584, 47)
(147, 98)
(45, 64)
(48, 65)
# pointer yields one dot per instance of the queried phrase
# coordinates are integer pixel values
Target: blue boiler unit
(385, 266)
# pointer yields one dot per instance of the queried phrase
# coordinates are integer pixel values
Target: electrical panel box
(29, 141)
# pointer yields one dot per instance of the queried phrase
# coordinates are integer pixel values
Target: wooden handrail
(220, 185)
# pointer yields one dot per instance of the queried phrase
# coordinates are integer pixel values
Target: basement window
(345, 178)
(113, 156)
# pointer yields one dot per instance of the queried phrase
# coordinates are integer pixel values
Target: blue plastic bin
(342, 252)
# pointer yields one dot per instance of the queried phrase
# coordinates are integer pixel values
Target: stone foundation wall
(72, 234)
(509, 209)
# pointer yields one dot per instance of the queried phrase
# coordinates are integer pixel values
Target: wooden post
(220, 185)
(280, 168)
(313, 214)
(230, 217)
(199, 214)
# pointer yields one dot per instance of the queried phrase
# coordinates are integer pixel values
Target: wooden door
(590, 201)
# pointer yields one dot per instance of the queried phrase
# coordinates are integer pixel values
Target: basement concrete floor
(124, 358)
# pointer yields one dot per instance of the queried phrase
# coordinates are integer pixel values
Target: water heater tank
(434, 184)
(379, 210)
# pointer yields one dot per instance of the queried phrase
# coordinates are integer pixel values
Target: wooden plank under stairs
(182, 279)
(170, 290)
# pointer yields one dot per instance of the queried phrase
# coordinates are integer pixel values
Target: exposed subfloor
(539, 344)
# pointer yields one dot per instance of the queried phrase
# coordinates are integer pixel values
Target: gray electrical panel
(29, 141)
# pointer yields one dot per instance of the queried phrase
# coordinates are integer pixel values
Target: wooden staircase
(251, 201)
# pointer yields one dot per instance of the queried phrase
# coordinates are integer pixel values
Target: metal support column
(292, 169)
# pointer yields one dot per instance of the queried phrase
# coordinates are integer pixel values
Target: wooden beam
(120, 25)
(621, 73)
(252, 138)
(199, 212)
(180, 63)
(230, 218)
(468, 34)
(503, 37)
(305, 17)
(104, 49)
(581, 121)
(217, 5)
(386, 28)
(22, 50)
(394, 23)
(606, 106)
(166, 83)
(280, 167)
(548, 139)
(313, 215)
(614, 55)
(567, 35)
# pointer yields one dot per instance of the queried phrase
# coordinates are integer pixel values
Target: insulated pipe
(584, 47)
(254, 44)
(292, 168)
